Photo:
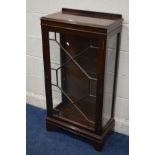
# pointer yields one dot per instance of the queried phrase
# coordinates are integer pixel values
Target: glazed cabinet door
(73, 66)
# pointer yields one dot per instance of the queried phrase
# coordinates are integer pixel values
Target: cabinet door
(74, 77)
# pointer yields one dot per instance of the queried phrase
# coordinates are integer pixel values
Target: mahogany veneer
(82, 97)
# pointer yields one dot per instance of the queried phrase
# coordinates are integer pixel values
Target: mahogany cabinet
(80, 53)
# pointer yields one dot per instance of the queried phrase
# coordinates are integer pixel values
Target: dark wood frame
(98, 135)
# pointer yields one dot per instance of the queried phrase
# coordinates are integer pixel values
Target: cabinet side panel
(109, 79)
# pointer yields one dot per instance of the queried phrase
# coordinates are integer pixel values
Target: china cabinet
(80, 53)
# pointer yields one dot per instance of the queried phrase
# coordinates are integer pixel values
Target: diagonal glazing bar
(75, 62)
(74, 104)
(64, 93)
(83, 51)
(72, 58)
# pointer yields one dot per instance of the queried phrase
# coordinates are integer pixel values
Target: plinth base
(96, 140)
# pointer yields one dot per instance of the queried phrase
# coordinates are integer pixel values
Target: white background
(13, 78)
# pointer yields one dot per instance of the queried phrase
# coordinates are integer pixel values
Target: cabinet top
(86, 19)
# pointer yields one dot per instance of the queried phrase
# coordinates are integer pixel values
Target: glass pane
(109, 79)
(74, 73)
